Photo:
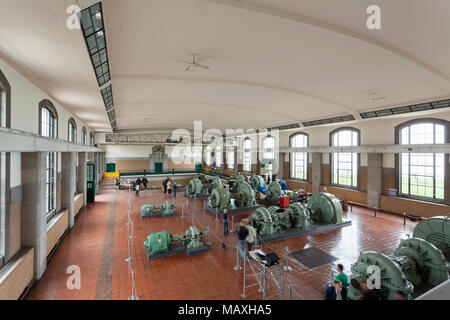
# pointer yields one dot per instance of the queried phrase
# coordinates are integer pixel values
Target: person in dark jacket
(174, 189)
(242, 234)
(138, 182)
(225, 222)
(145, 182)
(165, 185)
(336, 291)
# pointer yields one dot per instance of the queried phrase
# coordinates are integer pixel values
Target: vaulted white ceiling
(272, 62)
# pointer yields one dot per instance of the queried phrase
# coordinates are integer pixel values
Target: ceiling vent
(329, 121)
(406, 109)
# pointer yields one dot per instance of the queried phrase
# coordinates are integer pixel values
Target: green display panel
(111, 167)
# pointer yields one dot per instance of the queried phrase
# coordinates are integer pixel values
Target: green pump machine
(92, 181)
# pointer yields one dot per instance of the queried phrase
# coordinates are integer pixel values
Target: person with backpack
(242, 235)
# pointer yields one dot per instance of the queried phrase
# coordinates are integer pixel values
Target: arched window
(218, 155)
(5, 102)
(48, 128)
(268, 156)
(422, 175)
(247, 155)
(208, 156)
(345, 165)
(299, 160)
(230, 158)
(48, 119)
(84, 136)
(5, 116)
(72, 130)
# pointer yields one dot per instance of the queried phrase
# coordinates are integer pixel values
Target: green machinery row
(242, 193)
(163, 244)
(323, 208)
(422, 261)
(152, 211)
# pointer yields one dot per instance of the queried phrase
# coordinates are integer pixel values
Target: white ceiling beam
(20, 141)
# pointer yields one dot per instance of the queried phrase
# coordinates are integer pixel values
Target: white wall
(25, 99)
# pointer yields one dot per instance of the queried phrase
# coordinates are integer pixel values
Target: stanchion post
(237, 266)
(287, 267)
(182, 210)
(217, 217)
(204, 206)
(290, 291)
(404, 219)
(245, 276)
(232, 224)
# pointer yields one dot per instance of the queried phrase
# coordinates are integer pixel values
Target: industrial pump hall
(242, 153)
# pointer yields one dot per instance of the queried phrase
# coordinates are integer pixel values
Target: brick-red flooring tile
(98, 244)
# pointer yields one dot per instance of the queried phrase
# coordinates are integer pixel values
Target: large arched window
(72, 128)
(5, 114)
(299, 160)
(345, 165)
(48, 128)
(208, 156)
(84, 136)
(230, 158)
(48, 119)
(422, 175)
(247, 155)
(218, 156)
(268, 155)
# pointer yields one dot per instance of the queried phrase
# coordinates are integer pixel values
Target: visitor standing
(145, 182)
(175, 189)
(242, 234)
(225, 222)
(251, 237)
(137, 190)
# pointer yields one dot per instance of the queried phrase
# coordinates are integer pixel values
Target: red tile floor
(98, 244)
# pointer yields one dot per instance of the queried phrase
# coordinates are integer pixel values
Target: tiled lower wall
(78, 203)
(17, 275)
(56, 228)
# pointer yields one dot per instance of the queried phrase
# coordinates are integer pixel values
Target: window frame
(358, 159)
(5, 162)
(218, 153)
(397, 169)
(47, 104)
(244, 153)
(72, 123)
(291, 176)
(84, 136)
(232, 165)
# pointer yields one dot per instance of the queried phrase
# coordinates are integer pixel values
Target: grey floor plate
(313, 257)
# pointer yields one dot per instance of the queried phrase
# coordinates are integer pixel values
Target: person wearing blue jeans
(225, 222)
(174, 190)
